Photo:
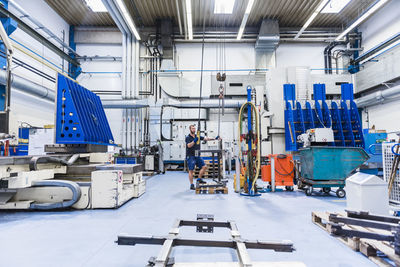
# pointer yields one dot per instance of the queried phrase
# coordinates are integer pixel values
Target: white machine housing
(101, 183)
(317, 135)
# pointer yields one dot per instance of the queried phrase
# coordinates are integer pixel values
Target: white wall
(382, 25)
(27, 108)
(238, 56)
(101, 81)
(384, 117)
(379, 27)
(241, 56)
(300, 54)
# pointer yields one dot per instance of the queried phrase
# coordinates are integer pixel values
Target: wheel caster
(326, 190)
(340, 193)
(289, 188)
(300, 185)
(309, 191)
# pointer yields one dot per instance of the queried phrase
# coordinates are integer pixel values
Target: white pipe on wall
(135, 111)
(137, 55)
(128, 94)
(24, 85)
(123, 91)
(378, 97)
(120, 104)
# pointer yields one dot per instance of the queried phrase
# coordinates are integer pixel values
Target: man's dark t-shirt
(190, 152)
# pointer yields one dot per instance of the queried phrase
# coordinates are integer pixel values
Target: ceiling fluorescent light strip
(96, 5)
(128, 18)
(335, 6)
(189, 18)
(244, 20)
(223, 6)
(362, 18)
(312, 17)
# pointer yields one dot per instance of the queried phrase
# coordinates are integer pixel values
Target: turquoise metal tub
(327, 167)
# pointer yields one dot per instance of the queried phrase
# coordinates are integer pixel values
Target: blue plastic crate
(125, 160)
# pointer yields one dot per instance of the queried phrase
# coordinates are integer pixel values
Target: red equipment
(284, 170)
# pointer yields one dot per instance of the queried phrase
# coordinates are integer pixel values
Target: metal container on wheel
(327, 167)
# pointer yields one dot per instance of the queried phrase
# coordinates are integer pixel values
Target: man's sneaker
(201, 181)
(192, 187)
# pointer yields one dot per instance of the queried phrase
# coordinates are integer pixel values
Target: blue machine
(373, 146)
(23, 141)
(80, 117)
(373, 142)
(342, 117)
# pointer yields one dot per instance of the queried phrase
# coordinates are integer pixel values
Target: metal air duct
(378, 97)
(27, 86)
(268, 38)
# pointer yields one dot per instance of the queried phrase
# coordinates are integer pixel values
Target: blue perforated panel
(80, 117)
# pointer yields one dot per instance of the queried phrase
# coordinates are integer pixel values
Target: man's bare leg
(191, 173)
(202, 171)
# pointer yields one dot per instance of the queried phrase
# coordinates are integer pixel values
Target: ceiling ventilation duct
(268, 38)
(266, 44)
(166, 32)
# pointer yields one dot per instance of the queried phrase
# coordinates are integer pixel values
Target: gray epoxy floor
(86, 238)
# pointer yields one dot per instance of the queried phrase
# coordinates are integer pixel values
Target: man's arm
(191, 144)
(211, 139)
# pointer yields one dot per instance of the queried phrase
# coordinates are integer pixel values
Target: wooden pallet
(206, 175)
(211, 167)
(212, 190)
(374, 250)
(209, 161)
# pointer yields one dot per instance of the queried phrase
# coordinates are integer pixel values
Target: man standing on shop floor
(191, 158)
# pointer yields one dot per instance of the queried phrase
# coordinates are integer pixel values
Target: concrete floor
(86, 238)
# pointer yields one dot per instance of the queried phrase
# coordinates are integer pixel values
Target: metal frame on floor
(204, 223)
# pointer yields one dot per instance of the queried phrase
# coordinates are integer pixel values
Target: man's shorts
(192, 161)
